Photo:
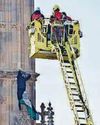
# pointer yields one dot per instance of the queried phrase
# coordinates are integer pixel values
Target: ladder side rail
(67, 84)
(89, 121)
(80, 81)
(82, 91)
(78, 76)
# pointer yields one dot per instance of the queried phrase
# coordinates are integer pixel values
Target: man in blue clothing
(22, 77)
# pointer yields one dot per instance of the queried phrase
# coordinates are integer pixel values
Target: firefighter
(37, 15)
(57, 15)
(56, 30)
(66, 19)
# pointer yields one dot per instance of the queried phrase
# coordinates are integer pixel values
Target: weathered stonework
(9, 112)
(14, 17)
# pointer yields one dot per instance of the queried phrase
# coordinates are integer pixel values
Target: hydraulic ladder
(66, 55)
(74, 87)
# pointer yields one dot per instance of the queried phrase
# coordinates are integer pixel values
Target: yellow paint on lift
(40, 47)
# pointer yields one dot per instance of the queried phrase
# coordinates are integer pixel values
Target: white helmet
(38, 9)
(55, 7)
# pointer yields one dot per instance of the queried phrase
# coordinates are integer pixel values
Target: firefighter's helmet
(55, 7)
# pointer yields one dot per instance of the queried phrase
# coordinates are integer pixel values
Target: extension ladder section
(74, 88)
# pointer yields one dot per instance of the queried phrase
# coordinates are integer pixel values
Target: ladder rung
(75, 94)
(77, 100)
(72, 83)
(66, 61)
(82, 118)
(70, 77)
(78, 105)
(66, 65)
(73, 89)
(69, 71)
(80, 110)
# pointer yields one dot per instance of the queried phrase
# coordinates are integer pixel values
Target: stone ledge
(13, 74)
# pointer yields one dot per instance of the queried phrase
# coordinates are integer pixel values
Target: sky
(50, 85)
